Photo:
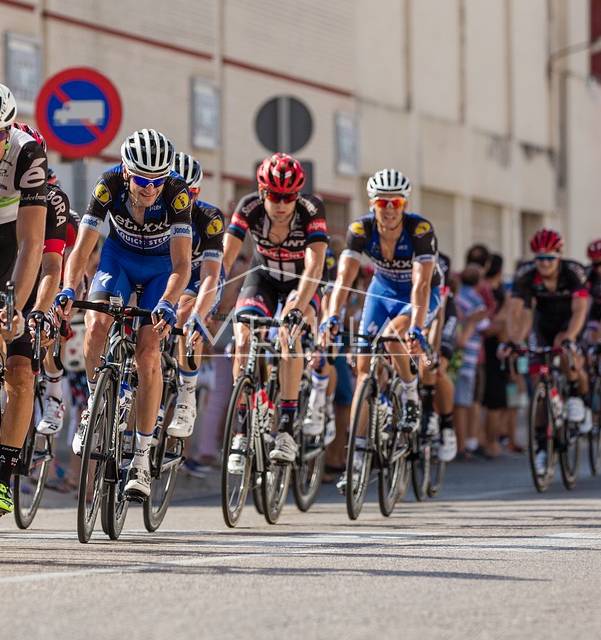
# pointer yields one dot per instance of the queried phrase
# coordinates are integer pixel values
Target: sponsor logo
(149, 227)
(102, 194)
(215, 227)
(181, 230)
(104, 279)
(181, 201)
(90, 221)
(423, 228)
(317, 225)
(35, 176)
(281, 255)
(357, 229)
(239, 221)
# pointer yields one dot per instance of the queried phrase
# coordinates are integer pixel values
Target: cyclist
(550, 301)
(402, 298)
(290, 234)
(203, 292)
(594, 285)
(19, 376)
(149, 244)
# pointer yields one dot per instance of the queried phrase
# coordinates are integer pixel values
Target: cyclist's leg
(54, 408)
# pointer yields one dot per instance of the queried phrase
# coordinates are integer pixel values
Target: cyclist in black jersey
(549, 304)
(594, 286)
(19, 375)
(290, 240)
(149, 244)
(202, 294)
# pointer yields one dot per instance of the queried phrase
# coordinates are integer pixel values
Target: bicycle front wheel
(541, 438)
(569, 453)
(357, 475)
(95, 452)
(237, 461)
(594, 437)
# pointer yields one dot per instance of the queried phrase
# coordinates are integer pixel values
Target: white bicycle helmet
(388, 182)
(189, 169)
(8, 107)
(147, 151)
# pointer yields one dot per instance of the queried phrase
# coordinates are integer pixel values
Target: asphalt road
(490, 558)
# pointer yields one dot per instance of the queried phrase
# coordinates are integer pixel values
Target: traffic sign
(78, 111)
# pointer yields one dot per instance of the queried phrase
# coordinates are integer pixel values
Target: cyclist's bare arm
(78, 260)
(180, 248)
(209, 282)
(231, 249)
(578, 318)
(31, 226)
(420, 291)
(315, 255)
(49, 282)
(348, 269)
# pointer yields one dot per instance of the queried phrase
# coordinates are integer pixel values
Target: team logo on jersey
(102, 194)
(330, 262)
(317, 225)
(423, 228)
(181, 201)
(357, 229)
(215, 227)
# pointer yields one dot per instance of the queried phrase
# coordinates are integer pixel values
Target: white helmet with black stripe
(8, 107)
(189, 169)
(148, 151)
(388, 182)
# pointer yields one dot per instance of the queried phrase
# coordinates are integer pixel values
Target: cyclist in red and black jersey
(550, 302)
(290, 235)
(594, 285)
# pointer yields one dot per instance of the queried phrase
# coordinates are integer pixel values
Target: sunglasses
(272, 196)
(546, 257)
(389, 203)
(145, 182)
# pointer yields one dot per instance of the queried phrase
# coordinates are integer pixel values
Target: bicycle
(548, 428)
(309, 466)
(594, 436)
(251, 418)
(37, 452)
(387, 444)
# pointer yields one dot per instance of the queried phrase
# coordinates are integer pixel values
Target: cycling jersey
(284, 262)
(22, 176)
(553, 308)
(594, 286)
(417, 242)
(72, 228)
(207, 233)
(168, 216)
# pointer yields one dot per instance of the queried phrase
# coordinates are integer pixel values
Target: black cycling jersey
(416, 242)
(208, 229)
(553, 308)
(169, 216)
(285, 261)
(594, 286)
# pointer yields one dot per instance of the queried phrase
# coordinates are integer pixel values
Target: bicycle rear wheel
(310, 464)
(165, 461)
(437, 471)
(541, 420)
(94, 454)
(256, 492)
(421, 462)
(594, 437)
(393, 446)
(357, 480)
(235, 485)
(569, 453)
(275, 480)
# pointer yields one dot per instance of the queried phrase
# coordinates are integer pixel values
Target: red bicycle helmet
(34, 133)
(546, 240)
(594, 250)
(281, 173)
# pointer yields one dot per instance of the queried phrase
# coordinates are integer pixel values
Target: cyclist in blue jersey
(202, 294)
(149, 244)
(403, 297)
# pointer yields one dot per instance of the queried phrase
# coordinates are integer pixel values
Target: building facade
(498, 132)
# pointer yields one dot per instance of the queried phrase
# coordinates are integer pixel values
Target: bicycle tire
(420, 466)
(154, 508)
(437, 472)
(569, 454)
(275, 481)
(256, 492)
(233, 496)
(37, 458)
(594, 437)
(358, 490)
(101, 417)
(540, 402)
(307, 473)
(392, 469)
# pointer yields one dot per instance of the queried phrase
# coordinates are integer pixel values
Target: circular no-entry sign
(78, 111)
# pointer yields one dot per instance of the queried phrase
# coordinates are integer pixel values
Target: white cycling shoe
(285, 448)
(313, 424)
(53, 419)
(183, 421)
(575, 409)
(586, 426)
(237, 458)
(138, 482)
(447, 450)
(540, 462)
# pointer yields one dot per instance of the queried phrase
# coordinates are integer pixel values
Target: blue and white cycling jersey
(169, 216)
(389, 293)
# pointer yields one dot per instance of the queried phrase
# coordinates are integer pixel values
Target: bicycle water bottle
(158, 426)
(263, 408)
(556, 404)
(125, 398)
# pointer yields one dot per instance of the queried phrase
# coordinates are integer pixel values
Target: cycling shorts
(386, 300)
(260, 294)
(120, 271)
